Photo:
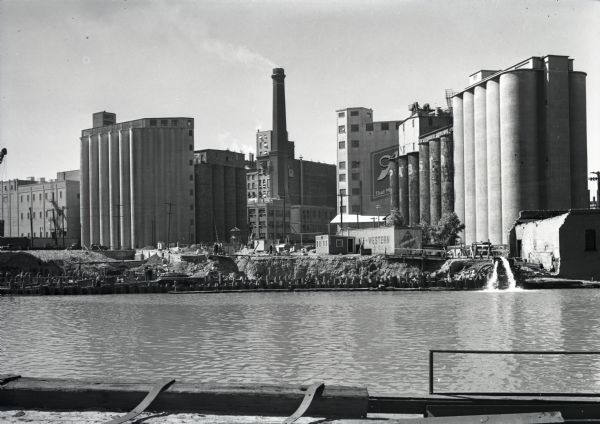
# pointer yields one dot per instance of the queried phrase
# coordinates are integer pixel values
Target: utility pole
(62, 214)
(597, 179)
(169, 224)
(283, 227)
(341, 209)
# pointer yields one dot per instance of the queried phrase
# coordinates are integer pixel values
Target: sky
(62, 60)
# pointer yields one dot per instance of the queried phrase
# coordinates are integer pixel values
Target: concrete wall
(575, 260)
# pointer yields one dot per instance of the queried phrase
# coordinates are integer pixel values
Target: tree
(444, 232)
(394, 219)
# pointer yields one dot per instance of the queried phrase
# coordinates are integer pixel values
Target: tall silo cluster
(424, 180)
(519, 144)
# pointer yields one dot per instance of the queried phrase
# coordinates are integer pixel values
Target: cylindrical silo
(480, 145)
(114, 188)
(162, 172)
(469, 164)
(577, 128)
(519, 151)
(84, 197)
(492, 120)
(94, 210)
(395, 195)
(149, 185)
(403, 187)
(135, 186)
(446, 174)
(103, 188)
(458, 155)
(124, 190)
(425, 211)
(413, 189)
(435, 181)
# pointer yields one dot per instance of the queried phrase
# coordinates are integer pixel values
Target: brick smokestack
(279, 142)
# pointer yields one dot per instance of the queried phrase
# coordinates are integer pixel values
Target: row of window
(60, 195)
(355, 164)
(384, 126)
(165, 122)
(355, 177)
(48, 234)
(353, 143)
(353, 209)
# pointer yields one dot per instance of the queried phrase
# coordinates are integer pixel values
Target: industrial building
(137, 182)
(220, 194)
(287, 197)
(566, 243)
(46, 211)
(369, 151)
(519, 144)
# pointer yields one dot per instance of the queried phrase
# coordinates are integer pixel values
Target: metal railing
(504, 352)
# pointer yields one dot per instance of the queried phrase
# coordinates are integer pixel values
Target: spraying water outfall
(493, 281)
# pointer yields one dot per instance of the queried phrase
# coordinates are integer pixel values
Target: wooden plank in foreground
(261, 400)
(530, 418)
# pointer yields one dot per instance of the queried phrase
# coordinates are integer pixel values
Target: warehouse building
(46, 211)
(137, 182)
(220, 193)
(519, 144)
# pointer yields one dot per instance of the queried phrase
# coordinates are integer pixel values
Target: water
(492, 283)
(512, 283)
(378, 339)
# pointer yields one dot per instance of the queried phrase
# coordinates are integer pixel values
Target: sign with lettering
(380, 170)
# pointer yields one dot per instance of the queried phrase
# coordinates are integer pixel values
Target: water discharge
(493, 282)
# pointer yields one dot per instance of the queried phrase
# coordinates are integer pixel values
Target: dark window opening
(385, 126)
(341, 114)
(153, 122)
(342, 145)
(369, 127)
(164, 122)
(354, 128)
(354, 113)
(590, 240)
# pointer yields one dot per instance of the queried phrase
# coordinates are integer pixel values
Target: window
(342, 177)
(355, 176)
(153, 122)
(385, 126)
(40, 215)
(341, 145)
(369, 127)
(590, 240)
(164, 122)
(354, 113)
(191, 147)
(174, 122)
(40, 197)
(354, 128)
(342, 165)
(339, 243)
(45, 195)
(60, 194)
(355, 191)
(343, 191)
(189, 123)
(342, 129)
(354, 143)
(355, 164)
(343, 208)
(191, 162)
(341, 114)
(28, 197)
(191, 177)
(21, 215)
(191, 133)
(78, 195)
(21, 199)
(52, 195)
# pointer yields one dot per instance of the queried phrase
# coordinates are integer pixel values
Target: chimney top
(278, 71)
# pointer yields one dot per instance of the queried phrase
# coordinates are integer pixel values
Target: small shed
(335, 244)
(564, 242)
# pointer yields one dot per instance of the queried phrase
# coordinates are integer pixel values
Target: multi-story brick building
(220, 180)
(287, 197)
(47, 211)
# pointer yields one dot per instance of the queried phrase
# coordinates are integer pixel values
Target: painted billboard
(380, 166)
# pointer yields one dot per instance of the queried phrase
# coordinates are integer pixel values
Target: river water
(378, 339)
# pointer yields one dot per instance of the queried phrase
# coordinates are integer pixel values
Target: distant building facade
(287, 197)
(220, 190)
(48, 211)
(137, 182)
(519, 144)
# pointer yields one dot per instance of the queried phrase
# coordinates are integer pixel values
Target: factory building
(287, 197)
(369, 151)
(45, 210)
(137, 182)
(519, 144)
(220, 193)
(364, 148)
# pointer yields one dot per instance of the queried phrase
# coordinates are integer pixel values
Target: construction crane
(449, 93)
(597, 179)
